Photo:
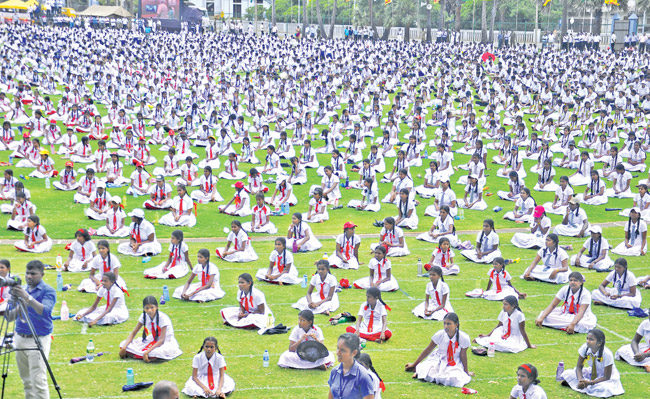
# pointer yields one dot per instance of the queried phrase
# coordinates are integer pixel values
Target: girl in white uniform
(554, 266)
(597, 256)
(377, 382)
(142, 241)
(594, 194)
(369, 198)
(300, 238)
(114, 220)
(563, 194)
(304, 331)
(115, 311)
(510, 333)
(540, 225)
(371, 320)
(487, 245)
(500, 283)
(448, 364)
(103, 262)
(524, 207)
(241, 200)
(283, 194)
(317, 212)
(99, 203)
(181, 210)
(575, 315)
(436, 302)
(207, 191)
(261, 221)
(157, 341)
(346, 255)
(431, 183)
(574, 223)
(82, 251)
(623, 293)
(252, 312)
(238, 246)
(321, 295)
(177, 263)
(380, 273)
(443, 257)
(473, 195)
(636, 233)
(527, 384)
(209, 378)
(208, 288)
(443, 226)
(36, 239)
(391, 237)
(281, 268)
(407, 216)
(637, 353)
(599, 377)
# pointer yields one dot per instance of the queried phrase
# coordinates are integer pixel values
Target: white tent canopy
(105, 11)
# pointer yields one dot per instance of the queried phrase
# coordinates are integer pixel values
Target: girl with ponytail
(114, 312)
(510, 333)
(157, 341)
(103, 262)
(448, 365)
(377, 383)
(207, 288)
(527, 384)
(623, 293)
(436, 302)
(209, 378)
(371, 322)
(253, 312)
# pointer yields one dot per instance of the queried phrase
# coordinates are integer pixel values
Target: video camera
(10, 281)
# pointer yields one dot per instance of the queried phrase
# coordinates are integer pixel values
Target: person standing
(349, 380)
(39, 299)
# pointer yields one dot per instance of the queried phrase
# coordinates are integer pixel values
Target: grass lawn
(243, 349)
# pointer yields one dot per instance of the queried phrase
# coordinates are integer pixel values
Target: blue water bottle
(59, 281)
(347, 182)
(130, 378)
(265, 358)
(304, 281)
(166, 293)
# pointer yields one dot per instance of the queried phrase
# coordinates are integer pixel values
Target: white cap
(116, 199)
(596, 229)
(137, 212)
(101, 184)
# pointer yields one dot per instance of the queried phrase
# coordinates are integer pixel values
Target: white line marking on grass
(614, 333)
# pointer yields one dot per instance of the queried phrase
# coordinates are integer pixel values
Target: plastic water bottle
(130, 378)
(461, 213)
(304, 281)
(59, 262)
(47, 183)
(84, 328)
(59, 281)
(426, 153)
(497, 209)
(65, 312)
(11, 159)
(347, 182)
(270, 321)
(90, 351)
(166, 293)
(419, 267)
(559, 371)
(491, 349)
(265, 358)
(325, 257)
(67, 287)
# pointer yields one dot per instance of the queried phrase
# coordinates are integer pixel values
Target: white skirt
(541, 273)
(167, 351)
(387, 286)
(626, 302)
(247, 255)
(291, 360)
(550, 187)
(599, 266)
(471, 255)
(566, 230)
(625, 353)
(479, 206)
(149, 204)
(38, 248)
(193, 389)
(92, 214)
(122, 232)
(528, 240)
(597, 200)
(231, 316)
(328, 306)
(635, 250)
(336, 262)
(203, 198)
(603, 389)
(87, 285)
(311, 245)
(287, 278)
(369, 207)
(114, 317)
(210, 294)
(16, 224)
(237, 175)
(558, 320)
(61, 187)
(561, 210)
(150, 248)
(493, 295)
(316, 217)
(244, 211)
(268, 228)
(435, 369)
(81, 199)
(394, 251)
(76, 266)
(179, 270)
(185, 220)
(410, 223)
(512, 344)
(437, 315)
(426, 192)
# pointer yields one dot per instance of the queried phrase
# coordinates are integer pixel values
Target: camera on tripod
(13, 281)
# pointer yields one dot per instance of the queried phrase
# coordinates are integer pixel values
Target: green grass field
(243, 349)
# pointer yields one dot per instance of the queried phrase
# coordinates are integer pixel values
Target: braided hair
(210, 339)
(150, 300)
(621, 262)
(531, 371)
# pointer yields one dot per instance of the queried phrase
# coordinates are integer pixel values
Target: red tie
(498, 283)
(443, 261)
(204, 278)
(347, 250)
(136, 234)
(210, 153)
(34, 234)
(210, 377)
(139, 179)
(438, 298)
(322, 291)
(507, 334)
(108, 298)
(2, 290)
(383, 263)
(573, 309)
(245, 303)
(450, 354)
(83, 253)
(372, 320)
(106, 268)
(231, 167)
(189, 175)
(207, 186)
(114, 220)
(316, 211)
(183, 151)
(280, 266)
(235, 243)
(181, 205)
(174, 255)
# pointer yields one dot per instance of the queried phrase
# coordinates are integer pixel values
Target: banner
(161, 9)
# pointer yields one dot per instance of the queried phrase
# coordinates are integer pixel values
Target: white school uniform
(506, 338)
(209, 190)
(574, 224)
(181, 204)
(590, 254)
(319, 211)
(101, 203)
(347, 245)
(432, 178)
(563, 196)
(441, 226)
(532, 240)
(249, 303)
(82, 253)
(5, 296)
(237, 242)
(619, 285)
(436, 295)
(438, 369)
(594, 188)
(380, 269)
(472, 195)
(244, 199)
(500, 287)
(550, 261)
(370, 198)
(280, 261)
(620, 184)
(177, 268)
(33, 235)
(101, 266)
(299, 233)
(635, 239)
(626, 353)
(605, 389)
(524, 207)
(322, 289)
(393, 237)
(118, 315)
(564, 314)
(533, 392)
(371, 319)
(200, 363)
(114, 219)
(292, 360)
(139, 232)
(260, 213)
(212, 293)
(167, 351)
(443, 260)
(486, 241)
(444, 197)
(19, 221)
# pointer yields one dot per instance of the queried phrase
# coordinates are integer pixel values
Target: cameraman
(39, 299)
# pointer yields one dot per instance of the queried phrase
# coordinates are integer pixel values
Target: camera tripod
(6, 345)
